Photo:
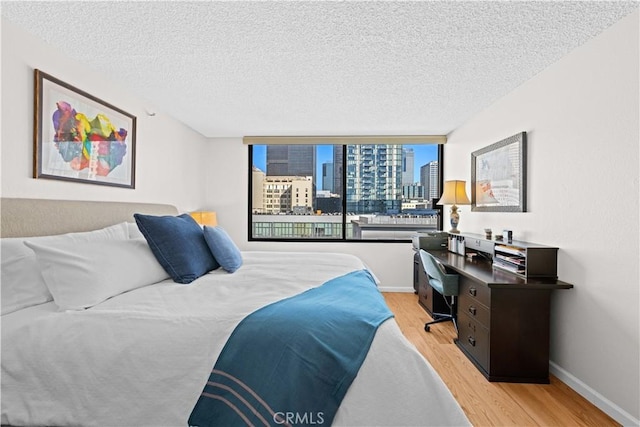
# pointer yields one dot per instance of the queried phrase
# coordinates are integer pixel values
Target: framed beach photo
(80, 138)
(499, 176)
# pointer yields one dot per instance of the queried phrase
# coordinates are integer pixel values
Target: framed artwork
(80, 138)
(499, 176)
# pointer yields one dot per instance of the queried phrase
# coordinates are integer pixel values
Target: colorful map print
(84, 143)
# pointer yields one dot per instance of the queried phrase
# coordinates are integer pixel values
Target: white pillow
(82, 274)
(22, 283)
(134, 231)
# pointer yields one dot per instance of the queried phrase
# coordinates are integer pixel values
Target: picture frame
(81, 138)
(499, 176)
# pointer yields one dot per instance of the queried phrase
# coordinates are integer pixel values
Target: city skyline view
(423, 154)
(368, 194)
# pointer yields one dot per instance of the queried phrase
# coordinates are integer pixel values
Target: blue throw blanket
(292, 362)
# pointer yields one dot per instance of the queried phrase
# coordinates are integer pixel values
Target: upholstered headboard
(41, 217)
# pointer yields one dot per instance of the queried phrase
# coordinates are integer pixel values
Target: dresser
(503, 318)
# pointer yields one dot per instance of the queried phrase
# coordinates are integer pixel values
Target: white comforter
(143, 357)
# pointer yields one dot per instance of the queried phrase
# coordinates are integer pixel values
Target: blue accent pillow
(223, 248)
(178, 244)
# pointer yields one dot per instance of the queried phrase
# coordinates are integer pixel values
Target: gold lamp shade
(454, 194)
(205, 218)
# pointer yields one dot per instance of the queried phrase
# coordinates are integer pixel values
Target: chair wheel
(427, 328)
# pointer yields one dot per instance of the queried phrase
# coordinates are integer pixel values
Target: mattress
(143, 357)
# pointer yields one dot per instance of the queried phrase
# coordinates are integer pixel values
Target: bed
(143, 356)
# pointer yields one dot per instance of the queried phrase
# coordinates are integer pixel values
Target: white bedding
(142, 358)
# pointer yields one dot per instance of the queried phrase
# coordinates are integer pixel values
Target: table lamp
(205, 218)
(454, 194)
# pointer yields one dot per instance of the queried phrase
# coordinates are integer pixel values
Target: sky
(423, 154)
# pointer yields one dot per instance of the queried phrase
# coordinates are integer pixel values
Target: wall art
(80, 138)
(499, 176)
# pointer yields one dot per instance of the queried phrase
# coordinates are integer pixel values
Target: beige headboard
(41, 217)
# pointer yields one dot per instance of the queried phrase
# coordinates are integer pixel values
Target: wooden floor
(484, 402)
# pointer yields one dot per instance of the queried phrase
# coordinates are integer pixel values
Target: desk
(503, 319)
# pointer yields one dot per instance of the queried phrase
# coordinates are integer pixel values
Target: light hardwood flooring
(490, 403)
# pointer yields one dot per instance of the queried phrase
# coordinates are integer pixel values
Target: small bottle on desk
(461, 246)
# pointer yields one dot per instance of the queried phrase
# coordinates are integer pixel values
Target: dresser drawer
(474, 309)
(474, 338)
(473, 290)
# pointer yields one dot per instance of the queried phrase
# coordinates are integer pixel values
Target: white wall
(228, 184)
(169, 164)
(581, 119)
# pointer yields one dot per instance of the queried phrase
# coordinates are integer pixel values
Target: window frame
(343, 239)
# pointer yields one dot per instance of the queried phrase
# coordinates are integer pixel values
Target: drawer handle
(473, 291)
(472, 310)
(472, 326)
(472, 341)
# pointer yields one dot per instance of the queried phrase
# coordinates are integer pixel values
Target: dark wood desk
(503, 319)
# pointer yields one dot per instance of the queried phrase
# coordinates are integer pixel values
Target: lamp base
(455, 220)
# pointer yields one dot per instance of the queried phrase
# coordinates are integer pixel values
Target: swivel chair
(443, 282)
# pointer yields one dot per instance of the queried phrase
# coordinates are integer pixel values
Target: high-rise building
(291, 160)
(337, 170)
(327, 177)
(408, 156)
(424, 176)
(374, 178)
(429, 179)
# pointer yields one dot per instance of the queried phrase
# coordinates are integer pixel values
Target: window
(344, 192)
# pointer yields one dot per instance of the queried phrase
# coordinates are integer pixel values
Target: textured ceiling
(317, 68)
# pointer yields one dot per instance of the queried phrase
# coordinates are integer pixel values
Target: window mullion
(344, 192)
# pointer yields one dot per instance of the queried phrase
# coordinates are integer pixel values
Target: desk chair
(443, 282)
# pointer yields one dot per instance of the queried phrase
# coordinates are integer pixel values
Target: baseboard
(394, 289)
(607, 406)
